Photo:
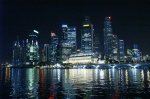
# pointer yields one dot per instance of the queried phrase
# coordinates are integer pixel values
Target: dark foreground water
(36, 83)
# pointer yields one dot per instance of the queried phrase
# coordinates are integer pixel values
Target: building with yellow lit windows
(87, 36)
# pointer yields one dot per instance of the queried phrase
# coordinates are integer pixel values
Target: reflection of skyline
(23, 83)
(74, 83)
(7, 75)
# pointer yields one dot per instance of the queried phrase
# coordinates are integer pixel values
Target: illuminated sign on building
(86, 25)
(36, 31)
(64, 26)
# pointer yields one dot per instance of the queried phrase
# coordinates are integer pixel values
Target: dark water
(36, 83)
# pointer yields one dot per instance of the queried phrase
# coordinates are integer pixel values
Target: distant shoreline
(87, 66)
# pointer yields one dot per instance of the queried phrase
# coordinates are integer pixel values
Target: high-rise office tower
(47, 52)
(87, 36)
(64, 33)
(114, 51)
(136, 53)
(65, 46)
(68, 41)
(107, 38)
(71, 38)
(23, 52)
(19, 53)
(53, 47)
(121, 50)
(16, 53)
(32, 54)
(96, 43)
(54, 39)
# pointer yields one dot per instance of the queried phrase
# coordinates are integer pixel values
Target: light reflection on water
(75, 83)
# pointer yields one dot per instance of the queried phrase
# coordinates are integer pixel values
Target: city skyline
(128, 20)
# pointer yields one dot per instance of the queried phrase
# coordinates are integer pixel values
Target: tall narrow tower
(32, 55)
(16, 53)
(107, 38)
(87, 36)
(121, 50)
(53, 48)
(72, 38)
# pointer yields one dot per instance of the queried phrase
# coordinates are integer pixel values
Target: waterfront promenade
(86, 66)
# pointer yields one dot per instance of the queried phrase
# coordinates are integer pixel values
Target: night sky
(130, 21)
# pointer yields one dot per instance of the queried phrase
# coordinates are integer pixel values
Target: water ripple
(35, 83)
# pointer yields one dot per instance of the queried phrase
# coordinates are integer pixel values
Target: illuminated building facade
(81, 58)
(114, 52)
(129, 55)
(65, 47)
(54, 39)
(136, 53)
(107, 38)
(87, 36)
(133, 54)
(121, 50)
(53, 47)
(68, 41)
(71, 38)
(28, 53)
(32, 54)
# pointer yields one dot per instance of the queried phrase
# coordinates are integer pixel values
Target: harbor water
(47, 83)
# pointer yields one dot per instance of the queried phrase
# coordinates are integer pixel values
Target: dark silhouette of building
(96, 43)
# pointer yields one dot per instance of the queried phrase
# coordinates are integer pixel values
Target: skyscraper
(121, 50)
(96, 43)
(23, 52)
(107, 38)
(68, 41)
(16, 53)
(71, 32)
(54, 39)
(32, 53)
(64, 33)
(136, 53)
(53, 47)
(47, 52)
(114, 51)
(87, 36)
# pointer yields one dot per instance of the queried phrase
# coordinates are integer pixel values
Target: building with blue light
(107, 38)
(121, 51)
(53, 47)
(136, 53)
(68, 41)
(71, 38)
